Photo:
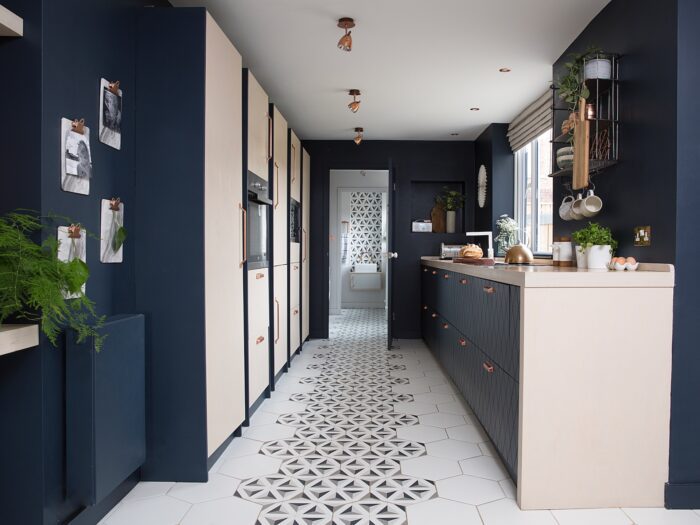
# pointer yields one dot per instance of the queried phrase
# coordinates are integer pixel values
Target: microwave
(258, 227)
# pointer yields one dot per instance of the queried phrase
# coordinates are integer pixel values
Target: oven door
(258, 219)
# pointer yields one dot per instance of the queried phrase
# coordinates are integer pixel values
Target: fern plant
(34, 283)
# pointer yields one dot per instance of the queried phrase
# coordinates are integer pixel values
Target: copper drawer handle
(446, 276)
(295, 267)
(277, 185)
(425, 307)
(462, 341)
(434, 272)
(489, 290)
(445, 326)
(488, 367)
(259, 276)
(259, 340)
(295, 311)
(433, 316)
(277, 324)
(425, 270)
(463, 281)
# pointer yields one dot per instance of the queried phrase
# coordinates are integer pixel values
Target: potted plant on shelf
(35, 285)
(508, 234)
(581, 67)
(451, 201)
(595, 246)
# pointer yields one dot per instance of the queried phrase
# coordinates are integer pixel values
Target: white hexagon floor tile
(282, 407)
(453, 449)
(414, 408)
(158, 510)
(421, 433)
(434, 398)
(659, 516)
(470, 433)
(222, 512)
(486, 467)
(245, 467)
(589, 516)
(455, 407)
(241, 447)
(442, 420)
(149, 489)
(507, 512)
(443, 512)
(269, 432)
(429, 467)
(468, 489)
(217, 487)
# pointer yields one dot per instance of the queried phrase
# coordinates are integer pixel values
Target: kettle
(519, 254)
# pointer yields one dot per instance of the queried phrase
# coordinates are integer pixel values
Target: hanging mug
(576, 208)
(565, 207)
(592, 204)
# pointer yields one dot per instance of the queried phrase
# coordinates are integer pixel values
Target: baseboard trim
(682, 495)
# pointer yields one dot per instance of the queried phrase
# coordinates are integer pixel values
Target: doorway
(359, 233)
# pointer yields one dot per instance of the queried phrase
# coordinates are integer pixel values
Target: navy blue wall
(493, 151)
(55, 72)
(641, 189)
(684, 479)
(413, 161)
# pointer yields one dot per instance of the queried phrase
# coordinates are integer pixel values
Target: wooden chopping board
(437, 217)
(582, 132)
(476, 262)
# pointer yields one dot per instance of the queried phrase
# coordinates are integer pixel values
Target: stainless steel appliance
(257, 234)
(449, 251)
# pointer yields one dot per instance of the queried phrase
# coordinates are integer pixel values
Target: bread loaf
(471, 251)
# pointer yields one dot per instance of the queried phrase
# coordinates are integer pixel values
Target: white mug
(565, 208)
(576, 208)
(591, 205)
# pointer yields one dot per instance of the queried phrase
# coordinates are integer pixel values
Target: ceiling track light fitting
(473, 109)
(345, 42)
(355, 104)
(505, 70)
(358, 137)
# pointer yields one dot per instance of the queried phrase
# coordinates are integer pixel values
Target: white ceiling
(420, 65)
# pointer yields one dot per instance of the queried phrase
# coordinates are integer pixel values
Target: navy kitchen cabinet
(472, 326)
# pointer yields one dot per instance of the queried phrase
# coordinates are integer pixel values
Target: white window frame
(520, 205)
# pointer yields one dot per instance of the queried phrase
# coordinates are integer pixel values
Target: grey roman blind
(533, 121)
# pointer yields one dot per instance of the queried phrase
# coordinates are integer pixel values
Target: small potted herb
(508, 234)
(595, 245)
(451, 201)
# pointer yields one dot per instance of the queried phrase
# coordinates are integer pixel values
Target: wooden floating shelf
(15, 337)
(10, 23)
(594, 165)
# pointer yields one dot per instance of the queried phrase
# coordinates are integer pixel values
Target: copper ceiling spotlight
(358, 136)
(345, 42)
(355, 104)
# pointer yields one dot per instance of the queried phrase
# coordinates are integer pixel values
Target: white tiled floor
(357, 434)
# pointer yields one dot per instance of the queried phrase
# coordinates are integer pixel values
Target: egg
(631, 260)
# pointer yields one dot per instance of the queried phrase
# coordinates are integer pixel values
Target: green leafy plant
(34, 283)
(119, 238)
(571, 85)
(450, 200)
(508, 233)
(594, 235)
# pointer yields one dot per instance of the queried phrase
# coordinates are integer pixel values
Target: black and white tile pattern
(355, 434)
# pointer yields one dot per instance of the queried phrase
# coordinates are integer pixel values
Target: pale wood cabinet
(259, 129)
(258, 331)
(295, 307)
(305, 228)
(280, 190)
(294, 166)
(280, 318)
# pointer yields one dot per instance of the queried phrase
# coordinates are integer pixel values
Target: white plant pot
(599, 257)
(598, 68)
(581, 261)
(450, 219)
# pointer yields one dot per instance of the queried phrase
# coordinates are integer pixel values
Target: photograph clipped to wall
(72, 244)
(110, 114)
(112, 231)
(76, 161)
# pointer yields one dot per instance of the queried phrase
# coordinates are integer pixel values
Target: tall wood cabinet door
(258, 324)
(223, 233)
(295, 166)
(259, 129)
(280, 317)
(280, 190)
(295, 310)
(305, 225)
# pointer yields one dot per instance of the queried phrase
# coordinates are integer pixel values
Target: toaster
(450, 251)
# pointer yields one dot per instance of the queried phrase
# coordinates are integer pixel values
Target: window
(533, 193)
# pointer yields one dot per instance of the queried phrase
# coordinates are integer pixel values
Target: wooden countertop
(648, 275)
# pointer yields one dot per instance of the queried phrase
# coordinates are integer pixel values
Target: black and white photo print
(110, 115)
(76, 165)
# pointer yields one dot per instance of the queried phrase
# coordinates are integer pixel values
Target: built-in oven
(294, 221)
(257, 234)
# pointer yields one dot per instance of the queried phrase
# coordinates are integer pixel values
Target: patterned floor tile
(403, 490)
(296, 512)
(369, 512)
(336, 490)
(269, 489)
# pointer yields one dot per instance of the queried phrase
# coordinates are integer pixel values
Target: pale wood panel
(295, 311)
(222, 238)
(258, 128)
(295, 167)
(280, 320)
(258, 330)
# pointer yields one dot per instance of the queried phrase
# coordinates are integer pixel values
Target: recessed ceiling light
(474, 109)
(505, 70)
(345, 42)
